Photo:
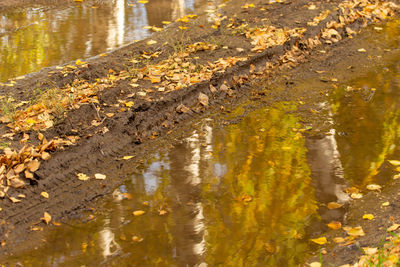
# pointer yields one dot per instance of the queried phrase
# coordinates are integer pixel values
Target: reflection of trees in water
(264, 159)
(369, 126)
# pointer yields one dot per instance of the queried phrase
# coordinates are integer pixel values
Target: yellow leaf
(82, 177)
(394, 162)
(100, 176)
(374, 187)
(45, 194)
(182, 27)
(134, 85)
(151, 42)
(137, 238)
(315, 264)
(46, 217)
(143, 1)
(138, 212)
(368, 216)
(165, 22)
(334, 225)
(362, 50)
(129, 104)
(334, 205)
(103, 55)
(385, 204)
(356, 195)
(127, 157)
(320, 240)
(354, 231)
(79, 62)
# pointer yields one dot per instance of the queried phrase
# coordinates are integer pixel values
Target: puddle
(249, 193)
(40, 36)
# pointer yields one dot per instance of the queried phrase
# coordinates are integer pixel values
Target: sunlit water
(40, 36)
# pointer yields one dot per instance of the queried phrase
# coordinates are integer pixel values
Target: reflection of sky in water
(152, 175)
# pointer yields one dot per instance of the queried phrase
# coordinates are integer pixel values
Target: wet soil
(132, 132)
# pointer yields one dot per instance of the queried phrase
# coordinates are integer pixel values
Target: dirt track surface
(152, 119)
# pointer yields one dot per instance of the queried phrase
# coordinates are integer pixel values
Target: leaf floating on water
(82, 177)
(394, 162)
(394, 227)
(373, 187)
(356, 195)
(335, 225)
(46, 217)
(368, 216)
(334, 205)
(138, 212)
(45, 194)
(339, 240)
(100, 176)
(320, 240)
(354, 231)
(137, 238)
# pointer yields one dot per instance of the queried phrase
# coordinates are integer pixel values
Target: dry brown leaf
(203, 99)
(45, 155)
(394, 227)
(33, 165)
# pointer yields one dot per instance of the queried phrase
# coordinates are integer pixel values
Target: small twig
(97, 111)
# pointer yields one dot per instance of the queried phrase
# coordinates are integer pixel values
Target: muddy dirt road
(109, 113)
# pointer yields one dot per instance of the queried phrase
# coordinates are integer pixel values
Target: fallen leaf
(334, 205)
(79, 62)
(45, 194)
(339, 240)
(203, 99)
(320, 240)
(45, 155)
(394, 227)
(335, 225)
(354, 231)
(162, 212)
(138, 212)
(394, 162)
(127, 157)
(137, 238)
(33, 165)
(82, 177)
(362, 50)
(368, 216)
(127, 195)
(14, 200)
(100, 176)
(165, 22)
(151, 42)
(46, 217)
(370, 251)
(385, 204)
(356, 195)
(315, 264)
(373, 187)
